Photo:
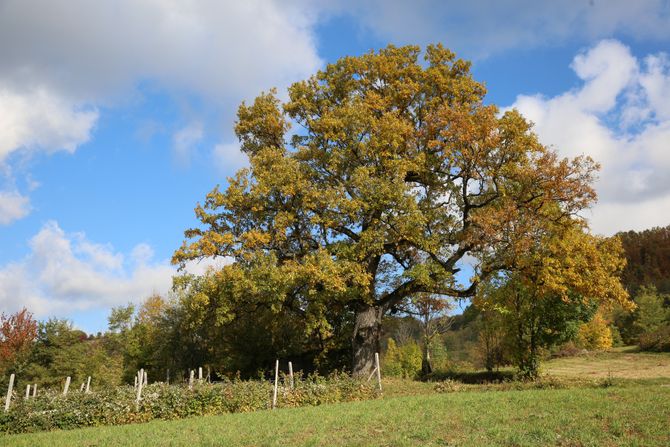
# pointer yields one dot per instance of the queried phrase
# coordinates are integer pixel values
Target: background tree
(60, 350)
(492, 339)
(17, 334)
(396, 171)
(431, 311)
(651, 314)
(554, 288)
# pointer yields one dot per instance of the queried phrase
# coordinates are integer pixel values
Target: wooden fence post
(274, 394)
(200, 374)
(135, 386)
(191, 378)
(34, 390)
(290, 373)
(379, 371)
(67, 385)
(88, 385)
(81, 388)
(27, 391)
(9, 392)
(140, 382)
(146, 378)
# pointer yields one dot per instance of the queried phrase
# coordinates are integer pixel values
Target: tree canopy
(372, 183)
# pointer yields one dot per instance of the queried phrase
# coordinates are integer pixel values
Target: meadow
(616, 398)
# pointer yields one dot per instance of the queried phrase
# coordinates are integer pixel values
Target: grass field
(632, 413)
(621, 365)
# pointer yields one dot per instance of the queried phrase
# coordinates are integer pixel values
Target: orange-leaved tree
(17, 333)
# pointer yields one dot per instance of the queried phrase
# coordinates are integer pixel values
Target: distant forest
(648, 255)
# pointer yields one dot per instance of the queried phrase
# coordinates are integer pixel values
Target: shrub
(51, 410)
(658, 340)
(402, 361)
(595, 335)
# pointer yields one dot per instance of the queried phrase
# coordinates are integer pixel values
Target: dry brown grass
(616, 364)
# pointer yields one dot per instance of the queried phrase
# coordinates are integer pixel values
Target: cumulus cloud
(484, 27)
(65, 273)
(13, 206)
(619, 116)
(62, 60)
(42, 119)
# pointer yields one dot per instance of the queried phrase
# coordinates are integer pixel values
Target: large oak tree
(372, 183)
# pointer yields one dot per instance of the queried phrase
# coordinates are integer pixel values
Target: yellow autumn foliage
(595, 335)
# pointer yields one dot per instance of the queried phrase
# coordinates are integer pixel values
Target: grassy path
(631, 416)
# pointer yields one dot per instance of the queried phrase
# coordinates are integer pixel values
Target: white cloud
(618, 116)
(62, 60)
(65, 273)
(216, 49)
(483, 27)
(229, 158)
(204, 265)
(185, 141)
(611, 217)
(42, 119)
(13, 206)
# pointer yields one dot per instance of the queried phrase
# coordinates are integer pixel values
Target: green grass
(636, 415)
(633, 412)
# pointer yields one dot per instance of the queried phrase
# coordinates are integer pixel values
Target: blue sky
(116, 117)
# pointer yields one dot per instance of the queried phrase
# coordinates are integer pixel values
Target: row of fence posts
(142, 380)
(31, 389)
(376, 371)
(276, 382)
(191, 377)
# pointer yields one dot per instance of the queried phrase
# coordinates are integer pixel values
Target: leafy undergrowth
(116, 406)
(635, 415)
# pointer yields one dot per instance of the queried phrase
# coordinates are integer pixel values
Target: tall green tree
(396, 170)
(552, 289)
(650, 314)
(60, 350)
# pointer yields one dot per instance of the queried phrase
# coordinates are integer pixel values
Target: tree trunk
(365, 340)
(426, 364)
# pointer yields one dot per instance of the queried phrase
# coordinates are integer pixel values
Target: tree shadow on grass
(471, 377)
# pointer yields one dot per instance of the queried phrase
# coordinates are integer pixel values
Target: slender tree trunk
(426, 365)
(365, 340)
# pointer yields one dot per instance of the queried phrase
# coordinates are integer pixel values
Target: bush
(657, 341)
(51, 410)
(595, 335)
(568, 349)
(402, 361)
